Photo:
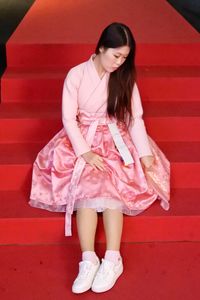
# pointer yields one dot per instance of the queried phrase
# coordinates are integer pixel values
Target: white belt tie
(80, 164)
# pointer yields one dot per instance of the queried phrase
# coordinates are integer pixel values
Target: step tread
(27, 73)
(25, 153)
(35, 72)
(53, 268)
(37, 110)
(52, 110)
(153, 27)
(183, 202)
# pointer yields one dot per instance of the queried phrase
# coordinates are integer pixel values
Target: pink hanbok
(63, 182)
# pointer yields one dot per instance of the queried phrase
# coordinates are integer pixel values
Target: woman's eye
(117, 56)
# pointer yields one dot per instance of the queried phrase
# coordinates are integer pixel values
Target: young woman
(102, 160)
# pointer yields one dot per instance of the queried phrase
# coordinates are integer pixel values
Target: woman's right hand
(94, 160)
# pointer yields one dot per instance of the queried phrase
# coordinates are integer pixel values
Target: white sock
(113, 255)
(90, 256)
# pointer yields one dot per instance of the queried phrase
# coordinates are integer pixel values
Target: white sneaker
(106, 276)
(87, 272)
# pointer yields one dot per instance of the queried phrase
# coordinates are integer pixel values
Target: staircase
(32, 240)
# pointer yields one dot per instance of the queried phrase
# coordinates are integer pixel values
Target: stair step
(39, 130)
(53, 268)
(172, 108)
(60, 54)
(173, 128)
(26, 85)
(17, 176)
(16, 164)
(24, 153)
(22, 224)
(159, 41)
(52, 110)
(170, 82)
(15, 110)
(37, 122)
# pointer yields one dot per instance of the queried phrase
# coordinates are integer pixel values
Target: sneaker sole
(81, 291)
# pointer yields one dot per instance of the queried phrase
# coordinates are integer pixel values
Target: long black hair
(122, 80)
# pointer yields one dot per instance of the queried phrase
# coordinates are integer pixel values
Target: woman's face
(113, 58)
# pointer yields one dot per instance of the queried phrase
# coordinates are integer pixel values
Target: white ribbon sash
(80, 164)
(119, 143)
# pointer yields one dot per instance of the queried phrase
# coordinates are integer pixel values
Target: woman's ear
(101, 49)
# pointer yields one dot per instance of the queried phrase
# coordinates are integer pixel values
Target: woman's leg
(86, 219)
(112, 266)
(113, 224)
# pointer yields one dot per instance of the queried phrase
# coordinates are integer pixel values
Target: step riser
(32, 130)
(136, 229)
(61, 55)
(166, 88)
(17, 177)
(174, 129)
(27, 90)
(24, 90)
(160, 129)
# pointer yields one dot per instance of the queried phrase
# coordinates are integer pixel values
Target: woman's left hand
(147, 161)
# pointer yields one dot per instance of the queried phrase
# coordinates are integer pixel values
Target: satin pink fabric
(63, 182)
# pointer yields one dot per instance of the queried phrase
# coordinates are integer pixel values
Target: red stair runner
(54, 36)
(30, 112)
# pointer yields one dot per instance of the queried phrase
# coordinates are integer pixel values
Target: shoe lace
(104, 269)
(84, 270)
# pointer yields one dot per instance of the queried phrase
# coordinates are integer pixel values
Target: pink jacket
(84, 90)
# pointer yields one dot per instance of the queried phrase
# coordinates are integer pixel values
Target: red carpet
(52, 37)
(57, 27)
(153, 271)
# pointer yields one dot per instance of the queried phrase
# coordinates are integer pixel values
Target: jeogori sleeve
(137, 127)
(70, 110)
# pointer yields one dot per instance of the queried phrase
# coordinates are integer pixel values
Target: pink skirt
(61, 182)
